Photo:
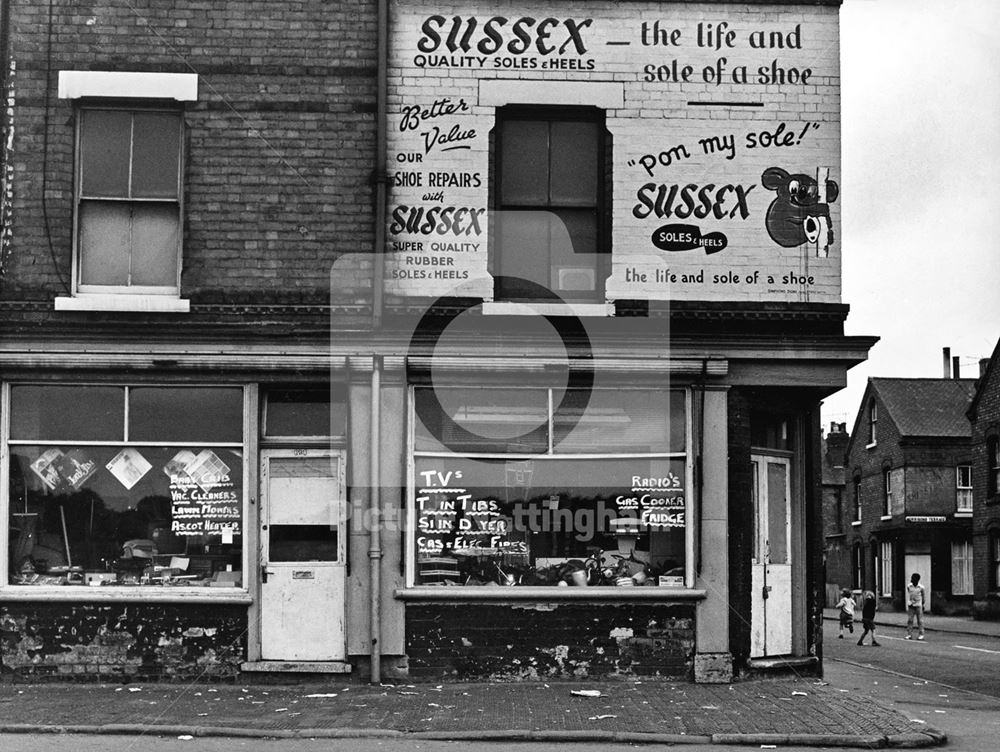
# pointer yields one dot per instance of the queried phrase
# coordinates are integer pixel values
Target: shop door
(771, 571)
(303, 572)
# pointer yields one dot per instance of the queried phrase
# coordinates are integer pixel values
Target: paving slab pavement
(803, 712)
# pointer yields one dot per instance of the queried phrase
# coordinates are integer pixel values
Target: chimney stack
(984, 363)
(956, 369)
(946, 358)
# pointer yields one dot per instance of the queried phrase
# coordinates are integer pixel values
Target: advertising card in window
(129, 467)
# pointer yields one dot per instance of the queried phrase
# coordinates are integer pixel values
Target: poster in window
(129, 467)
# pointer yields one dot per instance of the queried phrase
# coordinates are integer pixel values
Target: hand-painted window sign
(517, 37)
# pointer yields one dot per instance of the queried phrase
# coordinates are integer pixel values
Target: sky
(920, 95)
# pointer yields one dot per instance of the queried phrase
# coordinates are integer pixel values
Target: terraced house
(909, 495)
(479, 339)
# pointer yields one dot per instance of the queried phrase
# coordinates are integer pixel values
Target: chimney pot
(946, 361)
(956, 369)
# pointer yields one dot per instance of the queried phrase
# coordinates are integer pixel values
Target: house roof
(984, 380)
(927, 407)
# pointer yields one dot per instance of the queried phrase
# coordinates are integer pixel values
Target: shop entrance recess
(771, 575)
(302, 549)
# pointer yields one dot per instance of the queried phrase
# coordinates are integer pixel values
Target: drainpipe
(381, 174)
(375, 526)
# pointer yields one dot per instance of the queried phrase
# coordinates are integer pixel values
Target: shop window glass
(68, 413)
(306, 412)
(207, 414)
(617, 517)
(626, 421)
(164, 510)
(482, 420)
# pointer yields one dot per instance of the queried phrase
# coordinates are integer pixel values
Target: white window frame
(885, 569)
(858, 565)
(11, 592)
(114, 90)
(887, 493)
(961, 568)
(856, 500)
(963, 491)
(872, 424)
(80, 198)
(542, 591)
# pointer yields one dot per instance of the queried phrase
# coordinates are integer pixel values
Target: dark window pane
(573, 159)
(155, 155)
(777, 512)
(524, 149)
(104, 243)
(104, 153)
(523, 240)
(573, 232)
(154, 245)
(67, 413)
(482, 420)
(302, 543)
(306, 412)
(186, 414)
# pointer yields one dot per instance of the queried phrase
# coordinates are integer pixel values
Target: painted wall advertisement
(723, 133)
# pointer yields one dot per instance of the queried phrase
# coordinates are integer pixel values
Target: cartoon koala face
(796, 215)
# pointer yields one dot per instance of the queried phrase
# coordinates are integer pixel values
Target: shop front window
(543, 487)
(127, 486)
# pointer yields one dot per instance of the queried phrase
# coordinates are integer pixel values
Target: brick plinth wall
(549, 641)
(118, 641)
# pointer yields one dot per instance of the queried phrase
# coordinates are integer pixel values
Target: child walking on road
(846, 607)
(868, 608)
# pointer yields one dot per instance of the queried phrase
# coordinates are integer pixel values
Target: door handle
(765, 592)
(264, 573)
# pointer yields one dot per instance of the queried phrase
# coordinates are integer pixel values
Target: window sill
(133, 303)
(885, 517)
(548, 593)
(872, 445)
(855, 523)
(963, 514)
(529, 308)
(15, 593)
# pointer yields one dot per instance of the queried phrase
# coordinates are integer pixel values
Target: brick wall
(557, 641)
(280, 143)
(986, 511)
(115, 641)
